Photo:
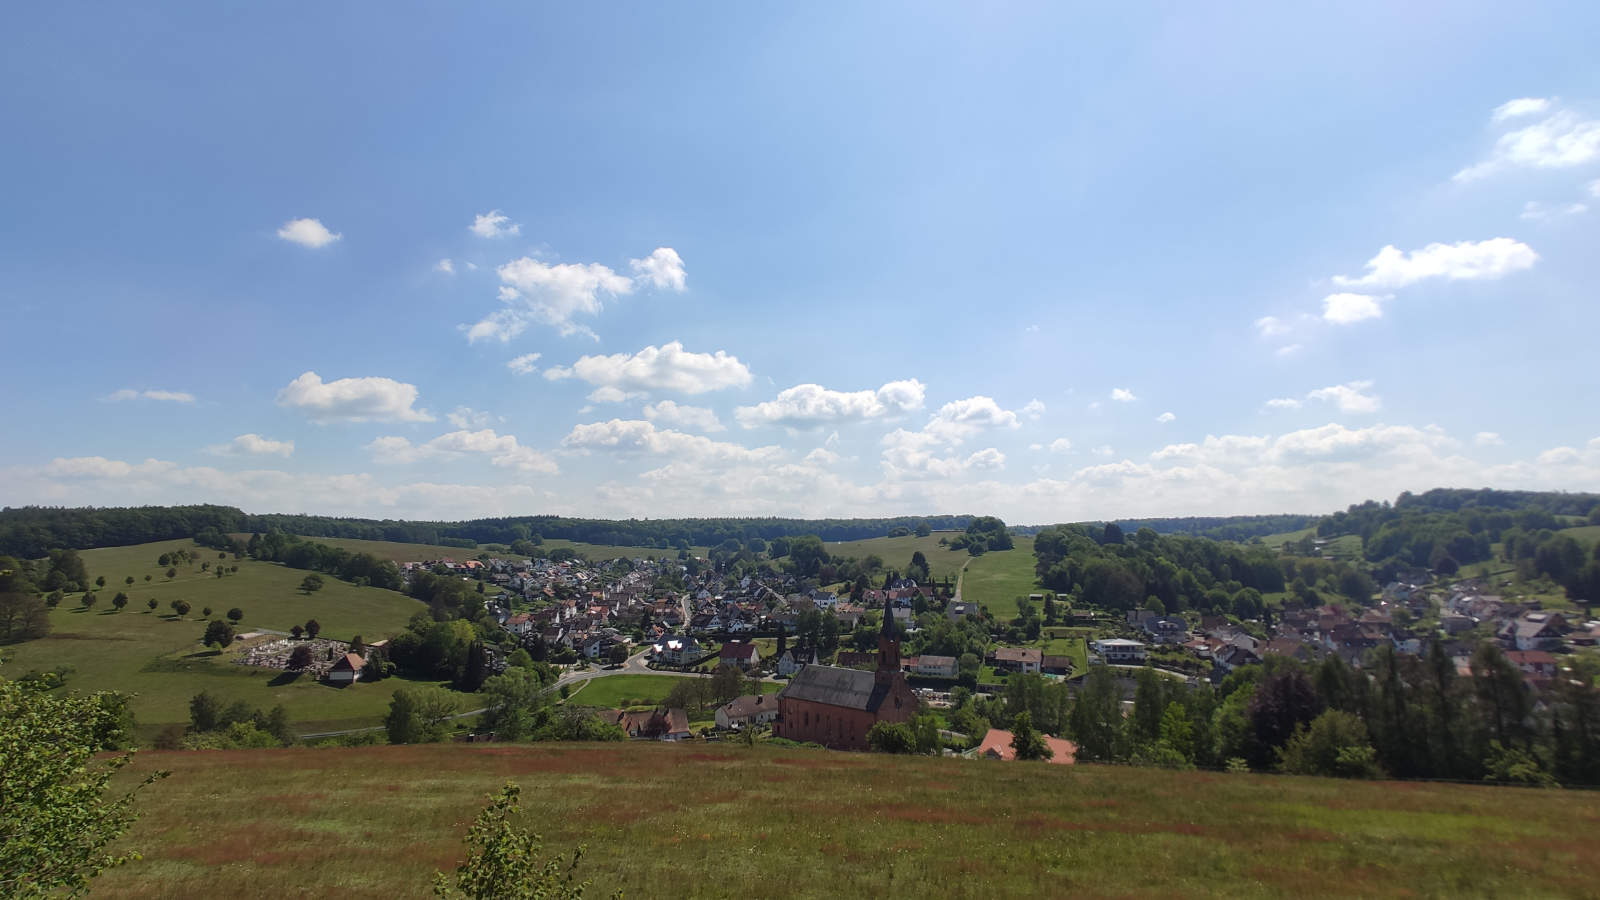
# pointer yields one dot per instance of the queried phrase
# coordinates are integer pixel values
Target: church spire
(888, 644)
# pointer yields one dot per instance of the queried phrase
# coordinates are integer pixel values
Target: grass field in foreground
(727, 821)
(621, 691)
(161, 660)
(999, 577)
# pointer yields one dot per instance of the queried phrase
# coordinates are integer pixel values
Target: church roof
(849, 688)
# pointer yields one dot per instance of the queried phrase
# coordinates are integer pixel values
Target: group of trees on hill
(1105, 568)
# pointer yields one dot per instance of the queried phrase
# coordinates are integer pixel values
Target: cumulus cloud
(524, 364)
(610, 394)
(252, 445)
(960, 419)
(1351, 397)
(1283, 403)
(1346, 309)
(307, 233)
(1061, 445)
(1165, 417)
(501, 450)
(467, 417)
(1524, 106)
(1487, 439)
(1271, 326)
(1103, 450)
(1287, 350)
(494, 224)
(1034, 408)
(1122, 395)
(822, 456)
(913, 455)
(1462, 261)
(640, 436)
(131, 394)
(814, 406)
(1561, 140)
(445, 266)
(665, 368)
(695, 418)
(353, 399)
(536, 292)
(1534, 211)
(663, 269)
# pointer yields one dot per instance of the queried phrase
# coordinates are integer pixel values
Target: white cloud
(1487, 439)
(1061, 445)
(1351, 397)
(822, 456)
(353, 399)
(960, 419)
(467, 417)
(1122, 395)
(1283, 403)
(131, 394)
(609, 394)
(502, 450)
(536, 292)
(665, 368)
(1165, 417)
(1287, 350)
(813, 406)
(1034, 408)
(663, 269)
(696, 418)
(1523, 106)
(911, 455)
(524, 364)
(1345, 309)
(1271, 326)
(1594, 188)
(307, 233)
(1465, 260)
(494, 224)
(252, 445)
(445, 266)
(1560, 141)
(639, 436)
(1103, 450)
(1534, 211)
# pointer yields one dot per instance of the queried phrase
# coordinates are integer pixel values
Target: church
(836, 707)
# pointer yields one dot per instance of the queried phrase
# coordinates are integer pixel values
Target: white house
(793, 660)
(1120, 652)
(751, 709)
(347, 669)
(934, 666)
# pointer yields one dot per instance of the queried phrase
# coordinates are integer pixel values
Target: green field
(896, 552)
(160, 659)
(401, 553)
(769, 822)
(1587, 535)
(622, 691)
(998, 577)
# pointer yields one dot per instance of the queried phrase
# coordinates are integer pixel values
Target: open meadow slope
(896, 552)
(159, 657)
(724, 821)
(997, 578)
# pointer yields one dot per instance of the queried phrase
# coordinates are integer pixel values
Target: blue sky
(858, 259)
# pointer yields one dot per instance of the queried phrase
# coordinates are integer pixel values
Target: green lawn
(998, 577)
(896, 552)
(160, 659)
(774, 822)
(622, 691)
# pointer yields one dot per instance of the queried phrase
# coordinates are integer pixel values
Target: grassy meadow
(896, 552)
(997, 578)
(159, 657)
(624, 691)
(729, 821)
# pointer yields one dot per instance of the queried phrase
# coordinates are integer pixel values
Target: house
(836, 707)
(1537, 663)
(653, 725)
(851, 659)
(747, 711)
(519, 624)
(959, 611)
(1120, 652)
(677, 651)
(1231, 657)
(1538, 631)
(934, 666)
(1166, 629)
(997, 745)
(849, 615)
(347, 669)
(739, 653)
(1056, 665)
(1017, 659)
(794, 659)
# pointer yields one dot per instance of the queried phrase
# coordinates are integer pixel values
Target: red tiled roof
(997, 743)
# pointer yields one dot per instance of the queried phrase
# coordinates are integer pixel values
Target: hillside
(401, 552)
(723, 821)
(160, 659)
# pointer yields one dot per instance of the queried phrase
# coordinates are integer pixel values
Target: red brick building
(836, 707)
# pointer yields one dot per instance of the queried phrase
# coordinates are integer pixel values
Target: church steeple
(888, 644)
